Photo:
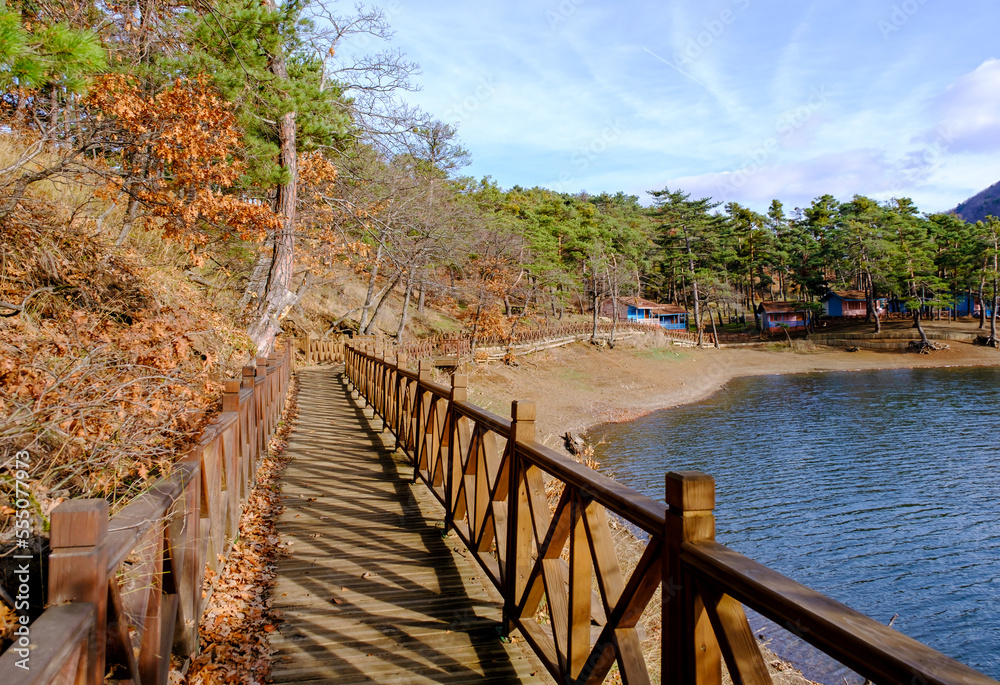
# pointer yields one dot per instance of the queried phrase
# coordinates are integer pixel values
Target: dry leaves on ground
(238, 617)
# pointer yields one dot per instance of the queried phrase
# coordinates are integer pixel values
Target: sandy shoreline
(578, 387)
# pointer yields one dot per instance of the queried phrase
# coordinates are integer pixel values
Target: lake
(880, 489)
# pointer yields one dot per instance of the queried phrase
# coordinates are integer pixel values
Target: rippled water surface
(880, 489)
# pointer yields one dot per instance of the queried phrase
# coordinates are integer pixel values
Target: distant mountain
(980, 205)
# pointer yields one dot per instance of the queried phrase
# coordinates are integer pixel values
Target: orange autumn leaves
(178, 156)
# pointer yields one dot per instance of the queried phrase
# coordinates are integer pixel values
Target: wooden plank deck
(372, 591)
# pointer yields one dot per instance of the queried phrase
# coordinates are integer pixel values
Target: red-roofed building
(776, 314)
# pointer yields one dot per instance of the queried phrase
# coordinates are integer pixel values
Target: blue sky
(741, 100)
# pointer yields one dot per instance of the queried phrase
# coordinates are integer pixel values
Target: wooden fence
(317, 350)
(126, 593)
(578, 609)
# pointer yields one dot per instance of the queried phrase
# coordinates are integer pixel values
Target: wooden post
(78, 570)
(690, 650)
(459, 387)
(459, 393)
(274, 410)
(248, 375)
(349, 365)
(378, 401)
(517, 565)
(260, 405)
(401, 390)
(309, 344)
(231, 396)
(423, 413)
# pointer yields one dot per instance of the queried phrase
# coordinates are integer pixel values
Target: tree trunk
(715, 331)
(982, 303)
(614, 316)
(383, 297)
(370, 294)
(338, 321)
(406, 308)
(278, 299)
(130, 214)
(694, 289)
(993, 314)
(917, 315)
(870, 303)
(699, 321)
(593, 332)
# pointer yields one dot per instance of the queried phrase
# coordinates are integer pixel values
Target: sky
(738, 100)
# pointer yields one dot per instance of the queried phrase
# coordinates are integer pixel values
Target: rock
(574, 445)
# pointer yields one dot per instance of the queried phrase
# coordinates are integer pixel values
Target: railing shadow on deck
(126, 593)
(558, 572)
(416, 603)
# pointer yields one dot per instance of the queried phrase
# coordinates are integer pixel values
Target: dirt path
(580, 386)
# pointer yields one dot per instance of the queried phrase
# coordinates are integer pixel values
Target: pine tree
(688, 228)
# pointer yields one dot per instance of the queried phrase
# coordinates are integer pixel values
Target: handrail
(875, 651)
(447, 345)
(58, 637)
(634, 507)
(144, 568)
(553, 561)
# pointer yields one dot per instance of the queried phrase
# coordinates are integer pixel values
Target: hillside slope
(980, 205)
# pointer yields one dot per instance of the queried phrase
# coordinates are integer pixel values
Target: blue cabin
(669, 316)
(967, 304)
(774, 315)
(851, 303)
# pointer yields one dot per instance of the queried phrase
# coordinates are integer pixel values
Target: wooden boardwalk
(372, 590)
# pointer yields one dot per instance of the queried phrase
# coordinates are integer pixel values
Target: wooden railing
(562, 584)
(451, 345)
(126, 593)
(319, 351)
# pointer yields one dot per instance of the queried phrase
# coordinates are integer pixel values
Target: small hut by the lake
(851, 303)
(776, 314)
(968, 304)
(670, 316)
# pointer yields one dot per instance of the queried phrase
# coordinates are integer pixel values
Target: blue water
(880, 489)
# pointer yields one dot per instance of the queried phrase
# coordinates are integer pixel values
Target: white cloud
(969, 111)
(535, 96)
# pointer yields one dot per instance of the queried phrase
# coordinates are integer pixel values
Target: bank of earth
(581, 385)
